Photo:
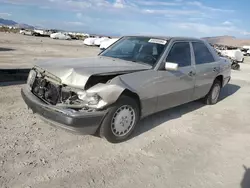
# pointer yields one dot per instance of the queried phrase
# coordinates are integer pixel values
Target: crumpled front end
(75, 109)
(84, 122)
(96, 95)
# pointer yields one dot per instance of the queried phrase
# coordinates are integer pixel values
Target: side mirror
(171, 66)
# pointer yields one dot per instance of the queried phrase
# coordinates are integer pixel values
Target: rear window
(202, 54)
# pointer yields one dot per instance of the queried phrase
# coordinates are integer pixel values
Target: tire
(238, 67)
(210, 98)
(235, 66)
(113, 128)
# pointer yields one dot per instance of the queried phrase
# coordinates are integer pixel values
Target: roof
(166, 37)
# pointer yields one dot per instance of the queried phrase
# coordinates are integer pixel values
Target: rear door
(207, 68)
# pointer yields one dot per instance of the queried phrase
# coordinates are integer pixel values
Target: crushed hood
(75, 72)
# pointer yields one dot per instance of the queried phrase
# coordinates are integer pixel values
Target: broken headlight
(31, 77)
(93, 100)
(89, 99)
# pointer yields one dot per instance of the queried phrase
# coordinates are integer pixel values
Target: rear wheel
(214, 93)
(121, 120)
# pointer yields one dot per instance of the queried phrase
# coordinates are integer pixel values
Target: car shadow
(11, 83)
(245, 183)
(228, 90)
(12, 76)
(6, 49)
(157, 119)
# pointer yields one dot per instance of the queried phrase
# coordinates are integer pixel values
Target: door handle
(191, 73)
(215, 69)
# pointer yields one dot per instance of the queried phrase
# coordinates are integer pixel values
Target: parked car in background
(246, 50)
(135, 77)
(235, 55)
(60, 36)
(98, 41)
(90, 41)
(26, 32)
(44, 32)
(105, 44)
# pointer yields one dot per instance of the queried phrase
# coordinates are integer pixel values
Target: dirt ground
(189, 146)
(18, 51)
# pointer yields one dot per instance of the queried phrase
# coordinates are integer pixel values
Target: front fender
(108, 92)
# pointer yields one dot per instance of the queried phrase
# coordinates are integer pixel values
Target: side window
(180, 54)
(202, 54)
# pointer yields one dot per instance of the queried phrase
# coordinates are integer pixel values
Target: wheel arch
(102, 129)
(219, 78)
(134, 96)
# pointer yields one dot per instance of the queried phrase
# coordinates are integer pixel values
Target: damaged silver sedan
(133, 78)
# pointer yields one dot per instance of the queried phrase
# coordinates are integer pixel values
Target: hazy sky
(158, 17)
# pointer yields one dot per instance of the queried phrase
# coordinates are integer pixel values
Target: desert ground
(19, 51)
(190, 146)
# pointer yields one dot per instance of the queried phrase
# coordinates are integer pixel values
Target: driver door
(177, 87)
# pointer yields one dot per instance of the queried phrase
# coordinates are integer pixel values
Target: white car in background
(89, 41)
(26, 32)
(105, 44)
(60, 36)
(246, 50)
(236, 55)
(98, 41)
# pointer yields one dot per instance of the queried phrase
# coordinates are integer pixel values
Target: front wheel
(214, 93)
(121, 120)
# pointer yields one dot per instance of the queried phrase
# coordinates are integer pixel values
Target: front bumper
(82, 122)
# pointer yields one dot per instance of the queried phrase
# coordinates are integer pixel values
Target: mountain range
(15, 24)
(228, 40)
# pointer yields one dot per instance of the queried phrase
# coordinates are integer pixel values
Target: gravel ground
(189, 146)
(18, 51)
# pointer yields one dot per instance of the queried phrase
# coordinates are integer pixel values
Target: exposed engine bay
(49, 89)
(54, 94)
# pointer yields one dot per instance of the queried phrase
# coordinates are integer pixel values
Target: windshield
(137, 49)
